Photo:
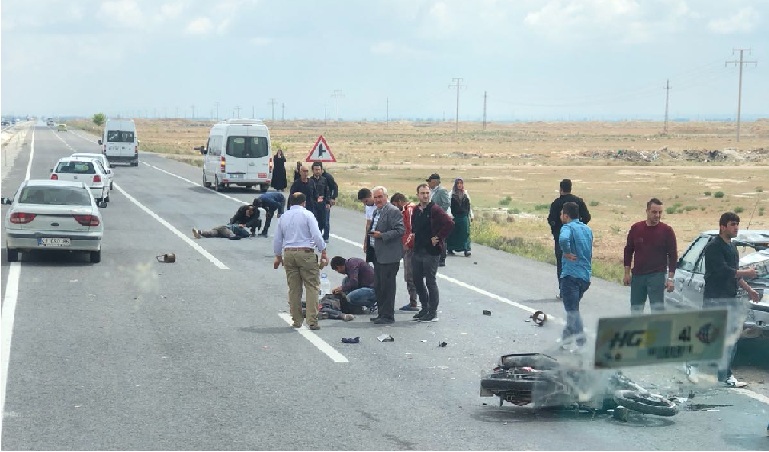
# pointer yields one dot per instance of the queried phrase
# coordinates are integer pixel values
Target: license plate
(659, 338)
(53, 241)
(236, 176)
(262, 175)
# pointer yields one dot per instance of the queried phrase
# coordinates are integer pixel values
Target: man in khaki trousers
(296, 239)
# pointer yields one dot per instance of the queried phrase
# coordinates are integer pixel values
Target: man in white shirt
(296, 239)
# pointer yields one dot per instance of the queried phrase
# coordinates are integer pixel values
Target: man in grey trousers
(386, 233)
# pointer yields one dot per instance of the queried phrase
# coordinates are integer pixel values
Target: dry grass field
(512, 170)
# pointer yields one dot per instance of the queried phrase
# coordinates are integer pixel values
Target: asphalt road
(136, 354)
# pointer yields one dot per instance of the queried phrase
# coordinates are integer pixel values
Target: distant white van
(238, 152)
(119, 142)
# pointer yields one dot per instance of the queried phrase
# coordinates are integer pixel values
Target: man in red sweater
(656, 255)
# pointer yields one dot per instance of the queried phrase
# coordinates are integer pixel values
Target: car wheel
(205, 182)
(264, 188)
(217, 185)
(106, 199)
(110, 186)
(13, 255)
(95, 256)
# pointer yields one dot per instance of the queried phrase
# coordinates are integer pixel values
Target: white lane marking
(194, 183)
(9, 306)
(498, 298)
(178, 233)
(474, 289)
(753, 395)
(316, 341)
(9, 313)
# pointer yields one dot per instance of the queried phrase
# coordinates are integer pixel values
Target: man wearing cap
(439, 196)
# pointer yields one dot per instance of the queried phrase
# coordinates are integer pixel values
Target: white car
(53, 215)
(689, 280)
(89, 171)
(104, 162)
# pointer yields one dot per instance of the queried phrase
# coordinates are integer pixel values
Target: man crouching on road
(296, 239)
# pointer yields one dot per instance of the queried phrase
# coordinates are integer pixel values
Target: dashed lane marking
(177, 232)
(322, 345)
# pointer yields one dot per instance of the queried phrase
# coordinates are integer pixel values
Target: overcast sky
(535, 59)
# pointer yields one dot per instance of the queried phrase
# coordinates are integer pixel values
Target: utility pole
(253, 114)
(272, 103)
(484, 110)
(336, 94)
(237, 111)
(387, 113)
(217, 110)
(667, 99)
(457, 83)
(193, 111)
(741, 62)
(283, 111)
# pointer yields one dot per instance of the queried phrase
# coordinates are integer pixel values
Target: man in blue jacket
(576, 242)
(271, 202)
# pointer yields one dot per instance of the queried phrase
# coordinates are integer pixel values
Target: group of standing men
(650, 260)
(397, 229)
(320, 191)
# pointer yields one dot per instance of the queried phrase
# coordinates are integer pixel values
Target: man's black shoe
(373, 319)
(420, 314)
(429, 317)
(383, 321)
(442, 264)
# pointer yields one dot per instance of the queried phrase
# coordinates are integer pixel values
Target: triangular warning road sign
(320, 152)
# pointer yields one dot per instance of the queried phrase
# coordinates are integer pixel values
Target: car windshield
(76, 168)
(245, 147)
(69, 196)
(120, 136)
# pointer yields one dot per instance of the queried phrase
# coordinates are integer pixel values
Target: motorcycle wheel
(645, 403)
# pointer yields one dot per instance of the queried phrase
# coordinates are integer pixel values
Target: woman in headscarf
(279, 181)
(459, 239)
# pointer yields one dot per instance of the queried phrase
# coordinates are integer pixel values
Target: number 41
(685, 335)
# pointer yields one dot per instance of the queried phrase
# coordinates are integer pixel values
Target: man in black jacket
(333, 193)
(323, 197)
(554, 219)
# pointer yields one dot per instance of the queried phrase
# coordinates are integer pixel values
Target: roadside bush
(759, 189)
(542, 207)
(594, 203)
(506, 201)
(738, 209)
(707, 193)
(719, 194)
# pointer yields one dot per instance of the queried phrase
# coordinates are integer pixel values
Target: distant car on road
(87, 170)
(61, 127)
(119, 141)
(689, 280)
(53, 215)
(103, 159)
(5, 122)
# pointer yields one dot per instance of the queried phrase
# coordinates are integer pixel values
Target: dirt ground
(512, 170)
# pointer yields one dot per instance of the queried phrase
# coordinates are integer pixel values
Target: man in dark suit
(386, 235)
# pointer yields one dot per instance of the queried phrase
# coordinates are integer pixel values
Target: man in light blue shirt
(296, 239)
(576, 242)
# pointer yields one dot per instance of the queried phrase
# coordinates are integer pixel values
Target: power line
(457, 83)
(336, 94)
(667, 99)
(739, 92)
(272, 103)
